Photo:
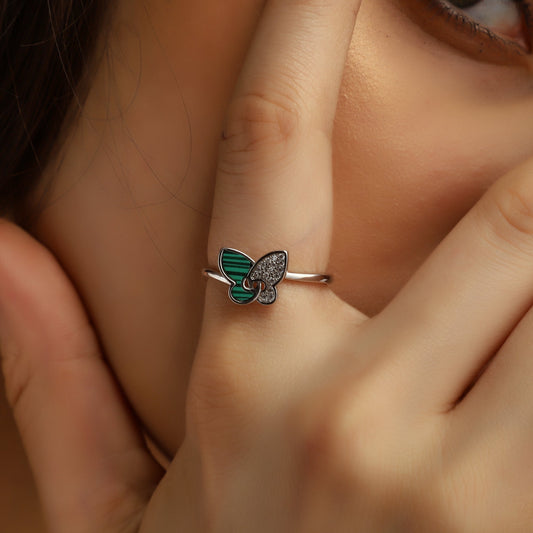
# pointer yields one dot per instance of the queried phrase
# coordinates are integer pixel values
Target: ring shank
(308, 278)
(290, 276)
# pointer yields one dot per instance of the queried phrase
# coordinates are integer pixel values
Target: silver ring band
(251, 281)
(290, 276)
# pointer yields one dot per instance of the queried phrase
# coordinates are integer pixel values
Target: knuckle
(219, 399)
(349, 443)
(511, 214)
(50, 355)
(17, 374)
(256, 126)
(334, 443)
(354, 440)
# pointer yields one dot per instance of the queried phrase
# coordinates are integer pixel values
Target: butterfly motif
(249, 280)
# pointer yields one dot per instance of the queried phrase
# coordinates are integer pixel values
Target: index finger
(273, 188)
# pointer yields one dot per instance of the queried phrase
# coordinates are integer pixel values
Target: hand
(305, 416)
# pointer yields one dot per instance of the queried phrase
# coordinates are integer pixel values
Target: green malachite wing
(235, 266)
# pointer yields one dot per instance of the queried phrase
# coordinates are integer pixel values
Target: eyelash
(453, 14)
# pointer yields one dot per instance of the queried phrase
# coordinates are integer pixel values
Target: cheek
(420, 135)
(129, 201)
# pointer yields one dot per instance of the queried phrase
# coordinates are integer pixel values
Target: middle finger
(464, 301)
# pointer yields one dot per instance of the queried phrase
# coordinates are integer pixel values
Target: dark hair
(46, 48)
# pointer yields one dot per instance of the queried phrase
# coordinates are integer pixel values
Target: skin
(452, 119)
(424, 126)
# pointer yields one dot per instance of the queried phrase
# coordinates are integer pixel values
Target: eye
(507, 19)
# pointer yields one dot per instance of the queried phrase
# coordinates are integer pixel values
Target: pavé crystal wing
(269, 271)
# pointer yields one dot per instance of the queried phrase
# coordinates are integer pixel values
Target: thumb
(90, 463)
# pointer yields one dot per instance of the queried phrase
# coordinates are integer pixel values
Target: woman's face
(431, 112)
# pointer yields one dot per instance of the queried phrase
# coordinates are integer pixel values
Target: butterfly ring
(251, 281)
